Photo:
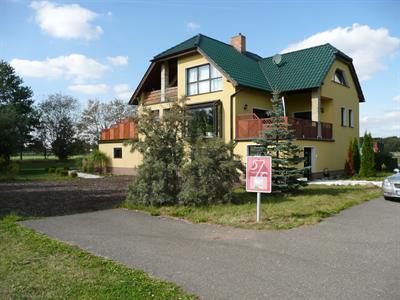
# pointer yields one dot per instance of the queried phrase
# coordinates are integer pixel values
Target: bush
(96, 161)
(63, 173)
(59, 170)
(386, 161)
(78, 163)
(210, 175)
(73, 174)
(52, 170)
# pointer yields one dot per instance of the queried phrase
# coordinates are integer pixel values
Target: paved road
(355, 255)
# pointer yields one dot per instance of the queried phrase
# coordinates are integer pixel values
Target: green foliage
(8, 169)
(8, 131)
(210, 174)
(63, 173)
(204, 173)
(349, 168)
(16, 106)
(367, 168)
(52, 170)
(97, 161)
(355, 149)
(385, 161)
(73, 174)
(162, 146)
(278, 142)
(57, 124)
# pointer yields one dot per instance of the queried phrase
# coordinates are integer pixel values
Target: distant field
(40, 157)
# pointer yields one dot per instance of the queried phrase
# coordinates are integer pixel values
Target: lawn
(308, 206)
(35, 169)
(33, 266)
(380, 176)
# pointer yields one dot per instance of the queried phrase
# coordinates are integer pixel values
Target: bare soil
(52, 198)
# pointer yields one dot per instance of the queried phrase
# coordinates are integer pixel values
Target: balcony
(251, 127)
(125, 129)
(154, 97)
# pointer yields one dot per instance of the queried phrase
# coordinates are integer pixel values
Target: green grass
(308, 206)
(33, 266)
(35, 169)
(378, 177)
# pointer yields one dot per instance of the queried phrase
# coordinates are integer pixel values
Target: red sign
(258, 174)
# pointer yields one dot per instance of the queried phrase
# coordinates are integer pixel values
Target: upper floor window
(351, 118)
(339, 77)
(203, 79)
(343, 116)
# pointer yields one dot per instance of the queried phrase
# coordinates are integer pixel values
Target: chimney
(239, 42)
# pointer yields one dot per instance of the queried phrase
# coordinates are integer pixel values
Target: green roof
(298, 70)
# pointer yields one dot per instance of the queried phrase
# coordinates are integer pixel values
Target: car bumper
(391, 192)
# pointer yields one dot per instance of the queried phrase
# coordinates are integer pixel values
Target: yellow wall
(129, 159)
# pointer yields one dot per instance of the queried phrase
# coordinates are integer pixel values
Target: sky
(98, 49)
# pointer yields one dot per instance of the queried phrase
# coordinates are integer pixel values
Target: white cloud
(382, 125)
(90, 89)
(76, 67)
(396, 98)
(68, 21)
(118, 60)
(191, 26)
(123, 91)
(368, 47)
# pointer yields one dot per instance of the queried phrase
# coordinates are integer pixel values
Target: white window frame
(351, 117)
(209, 79)
(343, 119)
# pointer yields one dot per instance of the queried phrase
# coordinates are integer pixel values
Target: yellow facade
(125, 165)
(333, 96)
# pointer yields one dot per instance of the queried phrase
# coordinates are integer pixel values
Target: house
(232, 87)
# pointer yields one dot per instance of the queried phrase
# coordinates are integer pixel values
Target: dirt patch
(52, 198)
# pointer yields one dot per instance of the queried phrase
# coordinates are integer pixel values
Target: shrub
(367, 168)
(73, 174)
(63, 173)
(349, 168)
(65, 168)
(79, 163)
(59, 170)
(355, 149)
(385, 160)
(211, 173)
(51, 170)
(96, 161)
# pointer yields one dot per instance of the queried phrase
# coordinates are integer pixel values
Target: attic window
(339, 77)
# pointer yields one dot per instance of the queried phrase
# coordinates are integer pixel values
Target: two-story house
(231, 87)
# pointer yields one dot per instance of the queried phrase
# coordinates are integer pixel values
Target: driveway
(354, 255)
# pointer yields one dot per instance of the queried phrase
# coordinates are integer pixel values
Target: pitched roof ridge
(195, 36)
(304, 49)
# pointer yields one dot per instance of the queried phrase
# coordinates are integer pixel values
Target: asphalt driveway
(354, 255)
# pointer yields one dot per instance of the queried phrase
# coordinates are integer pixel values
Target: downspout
(233, 95)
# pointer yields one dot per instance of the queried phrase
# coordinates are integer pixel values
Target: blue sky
(101, 49)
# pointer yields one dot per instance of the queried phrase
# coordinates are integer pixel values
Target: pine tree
(367, 168)
(161, 142)
(278, 142)
(349, 165)
(356, 155)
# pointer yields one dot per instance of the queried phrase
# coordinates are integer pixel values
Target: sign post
(258, 178)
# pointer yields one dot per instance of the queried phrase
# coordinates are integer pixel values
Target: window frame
(210, 79)
(217, 115)
(343, 116)
(257, 153)
(351, 117)
(343, 75)
(114, 153)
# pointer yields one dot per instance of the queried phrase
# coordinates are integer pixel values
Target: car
(391, 186)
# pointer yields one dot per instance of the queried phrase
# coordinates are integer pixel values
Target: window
(206, 119)
(255, 150)
(117, 152)
(351, 118)
(343, 116)
(261, 113)
(155, 114)
(203, 79)
(339, 77)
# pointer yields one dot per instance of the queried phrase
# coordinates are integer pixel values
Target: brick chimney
(239, 42)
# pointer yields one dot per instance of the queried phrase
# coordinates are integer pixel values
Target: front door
(308, 162)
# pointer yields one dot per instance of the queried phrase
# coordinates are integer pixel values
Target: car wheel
(386, 197)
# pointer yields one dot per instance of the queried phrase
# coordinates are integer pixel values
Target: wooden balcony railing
(250, 127)
(155, 96)
(125, 129)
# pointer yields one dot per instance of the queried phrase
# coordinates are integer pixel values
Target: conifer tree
(349, 165)
(356, 155)
(278, 142)
(367, 168)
